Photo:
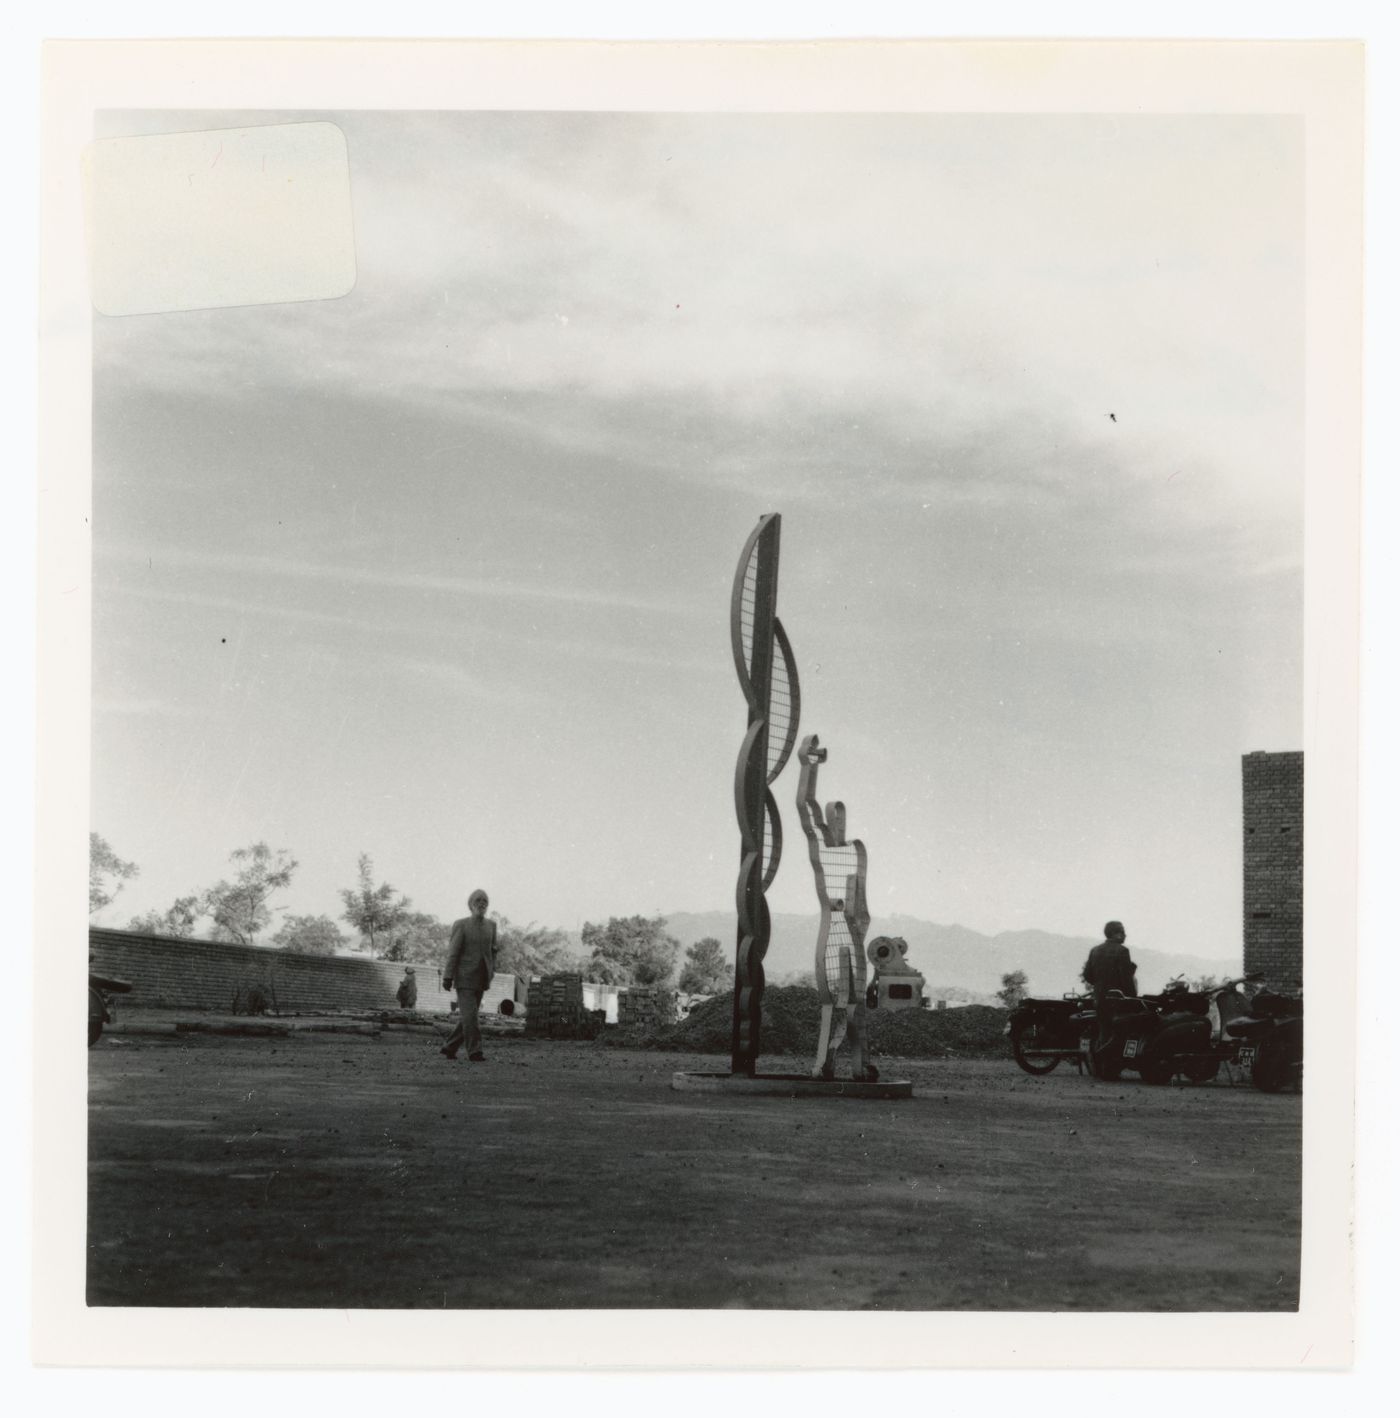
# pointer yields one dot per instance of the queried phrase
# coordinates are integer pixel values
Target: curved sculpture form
(839, 868)
(768, 676)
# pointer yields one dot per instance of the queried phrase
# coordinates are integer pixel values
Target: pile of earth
(792, 1015)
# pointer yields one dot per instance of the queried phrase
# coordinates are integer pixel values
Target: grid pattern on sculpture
(838, 863)
(770, 849)
(780, 728)
(748, 599)
(838, 938)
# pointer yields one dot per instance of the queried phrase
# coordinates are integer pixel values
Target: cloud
(237, 605)
(216, 564)
(461, 681)
(586, 351)
(940, 280)
(638, 654)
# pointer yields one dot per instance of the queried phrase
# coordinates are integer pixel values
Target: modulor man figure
(1110, 967)
(470, 967)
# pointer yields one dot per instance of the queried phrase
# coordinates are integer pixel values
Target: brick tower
(1273, 867)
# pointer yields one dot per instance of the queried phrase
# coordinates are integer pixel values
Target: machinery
(896, 985)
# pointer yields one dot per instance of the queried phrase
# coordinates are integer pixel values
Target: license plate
(1247, 1056)
(1130, 1049)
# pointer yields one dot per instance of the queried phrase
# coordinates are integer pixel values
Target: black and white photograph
(703, 706)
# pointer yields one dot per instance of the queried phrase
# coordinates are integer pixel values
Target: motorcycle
(100, 990)
(1269, 1041)
(1179, 1031)
(1043, 1032)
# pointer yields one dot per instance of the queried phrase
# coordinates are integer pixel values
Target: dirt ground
(343, 1171)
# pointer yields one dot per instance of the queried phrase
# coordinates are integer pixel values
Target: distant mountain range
(958, 964)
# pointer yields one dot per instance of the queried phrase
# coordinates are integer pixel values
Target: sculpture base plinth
(790, 1085)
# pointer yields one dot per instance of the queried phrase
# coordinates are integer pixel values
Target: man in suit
(470, 967)
(1110, 967)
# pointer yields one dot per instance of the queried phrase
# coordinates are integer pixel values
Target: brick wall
(646, 1007)
(203, 974)
(1273, 867)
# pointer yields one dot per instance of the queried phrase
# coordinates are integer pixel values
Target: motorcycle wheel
(1201, 1070)
(94, 1031)
(1159, 1072)
(1024, 1039)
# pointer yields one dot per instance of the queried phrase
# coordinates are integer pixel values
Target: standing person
(470, 967)
(1110, 967)
(407, 992)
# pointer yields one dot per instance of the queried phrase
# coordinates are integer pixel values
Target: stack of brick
(1273, 867)
(554, 1007)
(646, 1007)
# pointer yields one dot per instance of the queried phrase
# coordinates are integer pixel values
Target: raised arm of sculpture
(839, 866)
(810, 756)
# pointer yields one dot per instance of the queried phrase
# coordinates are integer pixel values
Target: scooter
(100, 990)
(1179, 1031)
(1043, 1032)
(1269, 1041)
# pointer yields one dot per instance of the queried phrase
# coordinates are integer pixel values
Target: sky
(440, 570)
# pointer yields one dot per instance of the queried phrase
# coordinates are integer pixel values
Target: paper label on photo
(225, 217)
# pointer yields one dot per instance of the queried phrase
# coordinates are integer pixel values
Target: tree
(705, 970)
(374, 910)
(106, 873)
(792, 977)
(1013, 988)
(309, 935)
(240, 908)
(532, 950)
(631, 950)
(177, 921)
(419, 936)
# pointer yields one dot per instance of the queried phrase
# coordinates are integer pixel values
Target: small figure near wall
(839, 867)
(407, 992)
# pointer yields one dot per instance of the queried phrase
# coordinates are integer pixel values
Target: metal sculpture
(839, 868)
(768, 675)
